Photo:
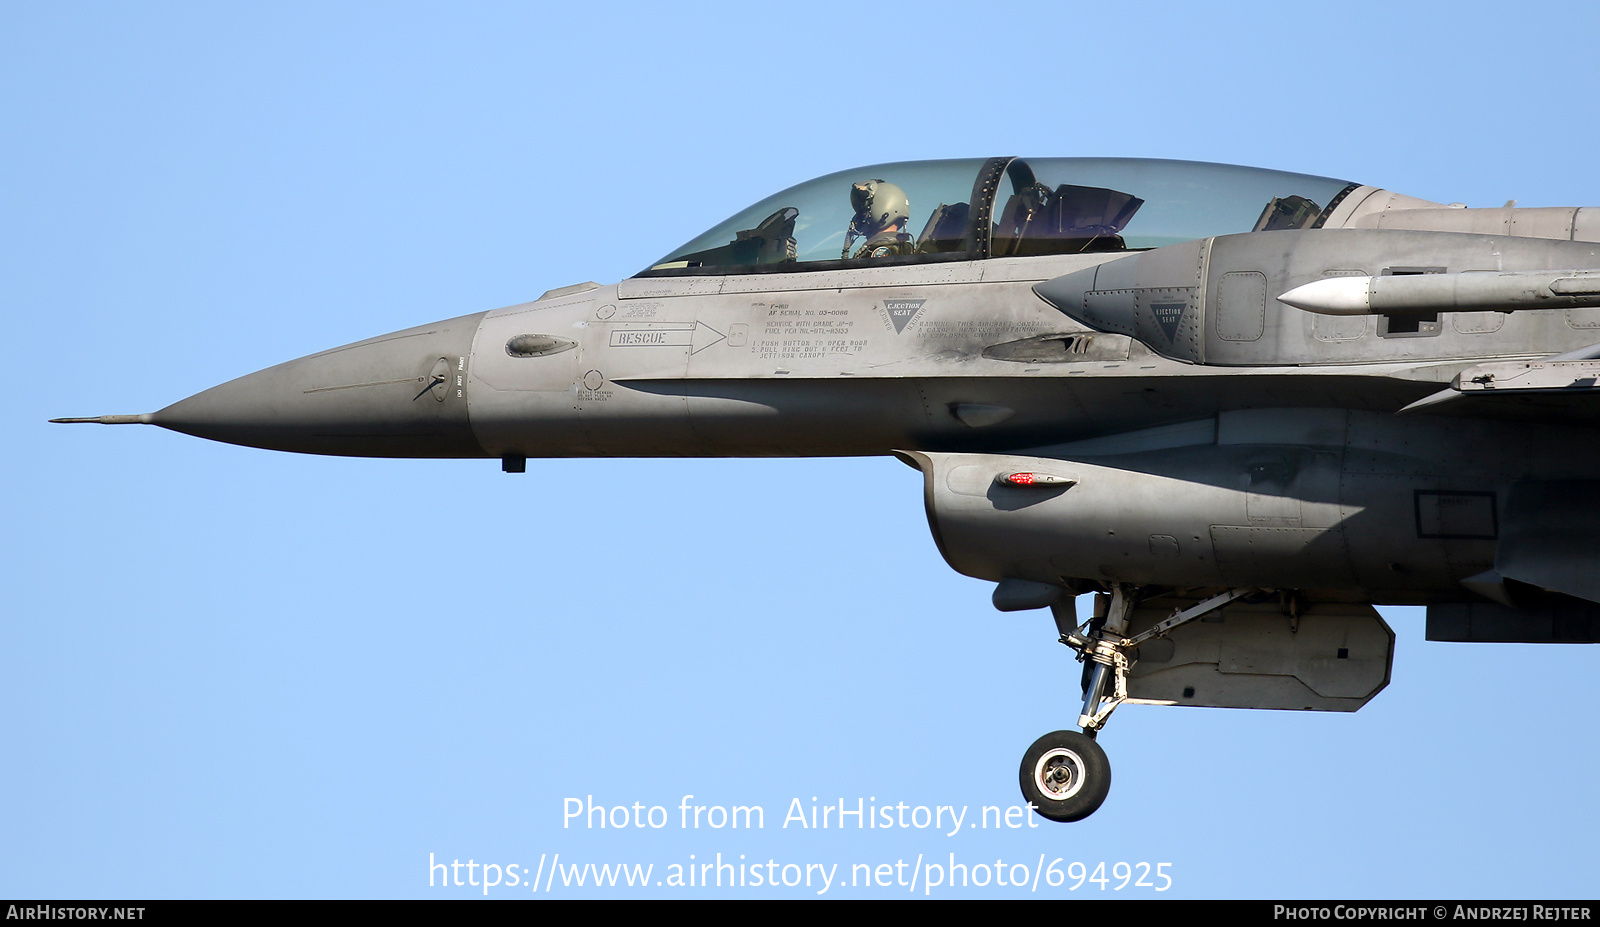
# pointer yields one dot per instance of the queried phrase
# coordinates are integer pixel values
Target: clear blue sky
(236, 673)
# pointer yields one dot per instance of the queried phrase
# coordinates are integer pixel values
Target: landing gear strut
(1065, 775)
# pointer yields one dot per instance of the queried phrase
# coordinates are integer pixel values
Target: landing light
(1034, 479)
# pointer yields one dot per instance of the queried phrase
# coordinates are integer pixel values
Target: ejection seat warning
(902, 311)
(1168, 315)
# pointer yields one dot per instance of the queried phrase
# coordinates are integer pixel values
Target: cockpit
(975, 208)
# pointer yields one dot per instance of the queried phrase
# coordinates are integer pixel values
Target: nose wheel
(1065, 776)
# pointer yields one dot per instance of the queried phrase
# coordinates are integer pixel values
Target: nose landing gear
(1065, 776)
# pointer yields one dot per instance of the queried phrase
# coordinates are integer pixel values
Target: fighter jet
(1238, 407)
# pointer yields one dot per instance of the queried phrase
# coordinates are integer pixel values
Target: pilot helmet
(879, 204)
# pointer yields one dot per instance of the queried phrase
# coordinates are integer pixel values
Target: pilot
(881, 213)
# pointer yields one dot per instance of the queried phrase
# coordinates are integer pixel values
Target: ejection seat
(1067, 220)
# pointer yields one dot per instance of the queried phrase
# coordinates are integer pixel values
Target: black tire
(1065, 776)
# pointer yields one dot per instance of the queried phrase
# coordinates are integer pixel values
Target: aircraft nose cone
(399, 395)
